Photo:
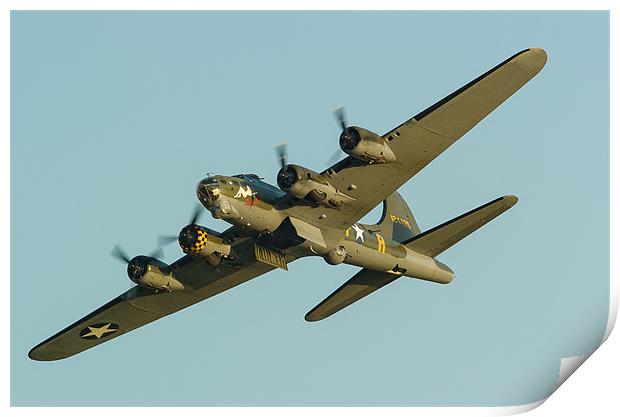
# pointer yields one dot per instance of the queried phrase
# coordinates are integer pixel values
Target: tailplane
(431, 243)
(438, 239)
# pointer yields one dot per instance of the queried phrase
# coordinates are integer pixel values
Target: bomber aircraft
(313, 214)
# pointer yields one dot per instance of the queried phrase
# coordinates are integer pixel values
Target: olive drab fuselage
(313, 214)
(254, 207)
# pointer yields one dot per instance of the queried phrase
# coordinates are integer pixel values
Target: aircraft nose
(201, 190)
(207, 191)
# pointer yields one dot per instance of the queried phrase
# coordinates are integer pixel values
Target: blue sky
(116, 116)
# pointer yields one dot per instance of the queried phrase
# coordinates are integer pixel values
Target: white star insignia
(359, 232)
(99, 332)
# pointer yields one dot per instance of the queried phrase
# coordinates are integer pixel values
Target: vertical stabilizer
(397, 221)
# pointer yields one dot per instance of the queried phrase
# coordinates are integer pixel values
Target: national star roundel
(99, 330)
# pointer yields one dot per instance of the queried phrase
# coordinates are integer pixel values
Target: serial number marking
(400, 220)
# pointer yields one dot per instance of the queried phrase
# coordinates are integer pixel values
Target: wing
(422, 138)
(140, 306)
(359, 286)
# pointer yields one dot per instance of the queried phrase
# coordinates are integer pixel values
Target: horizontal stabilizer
(438, 239)
(360, 285)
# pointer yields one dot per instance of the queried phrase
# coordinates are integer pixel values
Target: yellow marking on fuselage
(404, 222)
(381, 243)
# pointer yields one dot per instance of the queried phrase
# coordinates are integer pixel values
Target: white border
(597, 379)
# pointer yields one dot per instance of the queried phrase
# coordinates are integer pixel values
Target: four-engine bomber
(313, 214)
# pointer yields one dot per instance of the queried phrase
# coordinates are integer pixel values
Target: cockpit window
(247, 176)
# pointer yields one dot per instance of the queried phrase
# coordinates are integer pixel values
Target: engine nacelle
(153, 273)
(304, 183)
(199, 241)
(365, 145)
(335, 256)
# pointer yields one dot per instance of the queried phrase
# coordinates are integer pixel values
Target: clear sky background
(116, 116)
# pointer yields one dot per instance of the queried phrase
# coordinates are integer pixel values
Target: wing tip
(43, 353)
(33, 355)
(510, 199)
(535, 59)
(539, 51)
(37, 354)
(312, 317)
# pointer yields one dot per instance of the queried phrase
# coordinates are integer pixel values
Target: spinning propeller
(341, 117)
(163, 240)
(137, 266)
(281, 152)
(119, 253)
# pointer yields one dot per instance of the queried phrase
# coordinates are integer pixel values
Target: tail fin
(438, 239)
(397, 221)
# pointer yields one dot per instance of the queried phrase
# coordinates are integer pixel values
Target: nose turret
(208, 191)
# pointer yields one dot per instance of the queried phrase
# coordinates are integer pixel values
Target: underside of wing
(359, 286)
(419, 140)
(140, 306)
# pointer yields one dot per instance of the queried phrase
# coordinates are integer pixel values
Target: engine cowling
(365, 145)
(198, 241)
(309, 185)
(153, 273)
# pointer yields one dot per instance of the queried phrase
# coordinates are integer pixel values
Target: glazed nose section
(207, 191)
(201, 190)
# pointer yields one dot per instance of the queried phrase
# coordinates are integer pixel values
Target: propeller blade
(120, 254)
(281, 152)
(157, 253)
(196, 214)
(163, 240)
(341, 117)
(335, 157)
